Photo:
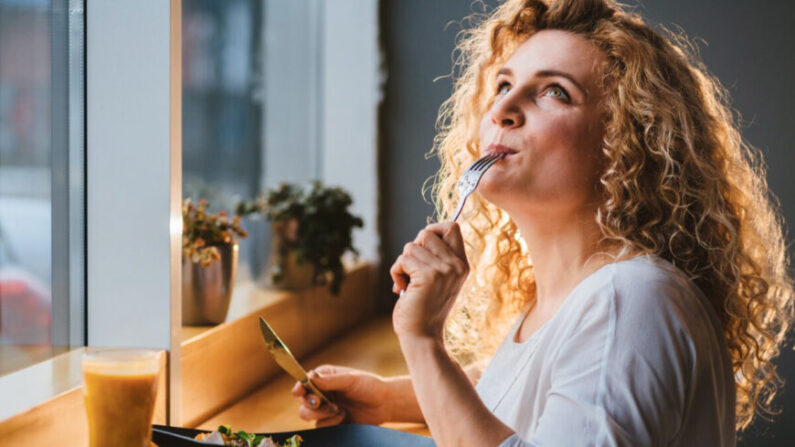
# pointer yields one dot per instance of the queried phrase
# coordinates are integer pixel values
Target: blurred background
(248, 80)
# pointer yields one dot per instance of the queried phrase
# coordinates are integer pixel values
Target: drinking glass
(120, 386)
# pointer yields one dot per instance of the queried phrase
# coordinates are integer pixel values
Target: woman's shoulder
(651, 281)
(648, 295)
(641, 293)
(646, 280)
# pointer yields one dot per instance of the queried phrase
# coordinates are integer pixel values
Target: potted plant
(209, 263)
(311, 232)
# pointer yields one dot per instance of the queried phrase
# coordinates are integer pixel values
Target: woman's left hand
(432, 270)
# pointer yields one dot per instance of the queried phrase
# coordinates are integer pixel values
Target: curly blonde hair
(679, 182)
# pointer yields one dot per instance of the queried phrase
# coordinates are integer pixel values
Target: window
(41, 180)
(221, 99)
(277, 91)
(222, 111)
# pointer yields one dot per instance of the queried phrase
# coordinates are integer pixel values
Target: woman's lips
(497, 149)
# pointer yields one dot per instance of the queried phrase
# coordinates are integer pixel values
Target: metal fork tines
(471, 177)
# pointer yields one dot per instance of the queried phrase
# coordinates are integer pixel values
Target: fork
(469, 180)
(468, 183)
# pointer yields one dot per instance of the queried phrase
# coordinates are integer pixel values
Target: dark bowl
(348, 435)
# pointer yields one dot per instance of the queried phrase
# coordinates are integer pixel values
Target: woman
(628, 233)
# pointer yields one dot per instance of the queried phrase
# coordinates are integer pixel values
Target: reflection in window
(35, 177)
(221, 109)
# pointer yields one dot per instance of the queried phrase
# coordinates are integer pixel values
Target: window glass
(222, 111)
(36, 184)
(221, 108)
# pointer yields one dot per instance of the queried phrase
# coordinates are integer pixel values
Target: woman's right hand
(358, 397)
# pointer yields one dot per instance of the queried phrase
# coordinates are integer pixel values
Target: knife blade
(284, 358)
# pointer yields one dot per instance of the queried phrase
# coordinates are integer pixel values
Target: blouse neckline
(534, 336)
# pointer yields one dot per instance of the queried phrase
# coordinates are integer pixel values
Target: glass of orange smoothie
(120, 386)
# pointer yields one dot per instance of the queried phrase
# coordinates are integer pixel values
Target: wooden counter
(372, 347)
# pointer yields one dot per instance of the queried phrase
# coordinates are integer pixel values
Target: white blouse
(634, 356)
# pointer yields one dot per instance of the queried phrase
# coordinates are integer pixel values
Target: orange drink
(120, 387)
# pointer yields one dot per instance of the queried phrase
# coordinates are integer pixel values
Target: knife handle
(311, 387)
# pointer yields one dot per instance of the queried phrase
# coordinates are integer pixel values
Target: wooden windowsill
(224, 363)
(16, 357)
(220, 365)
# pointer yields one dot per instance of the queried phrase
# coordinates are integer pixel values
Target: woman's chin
(492, 189)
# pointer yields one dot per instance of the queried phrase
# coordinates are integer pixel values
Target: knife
(284, 358)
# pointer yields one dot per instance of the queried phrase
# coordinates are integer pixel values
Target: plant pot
(206, 291)
(254, 249)
(294, 276)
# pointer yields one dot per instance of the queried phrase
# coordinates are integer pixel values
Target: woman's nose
(506, 113)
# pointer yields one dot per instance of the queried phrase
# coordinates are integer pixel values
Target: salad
(225, 436)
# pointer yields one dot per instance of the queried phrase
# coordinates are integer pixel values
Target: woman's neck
(564, 251)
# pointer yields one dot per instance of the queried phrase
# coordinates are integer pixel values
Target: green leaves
(253, 440)
(316, 225)
(294, 441)
(248, 437)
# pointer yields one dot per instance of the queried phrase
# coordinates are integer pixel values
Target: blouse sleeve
(620, 376)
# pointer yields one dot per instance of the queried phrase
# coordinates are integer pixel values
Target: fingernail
(312, 401)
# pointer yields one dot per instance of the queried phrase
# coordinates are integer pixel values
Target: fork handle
(460, 207)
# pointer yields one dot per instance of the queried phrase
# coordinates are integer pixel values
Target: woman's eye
(503, 88)
(557, 91)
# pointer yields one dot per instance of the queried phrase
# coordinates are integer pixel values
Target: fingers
(450, 233)
(332, 378)
(329, 370)
(325, 377)
(333, 420)
(399, 279)
(407, 265)
(316, 414)
(298, 390)
(444, 253)
(421, 253)
(455, 240)
(311, 401)
(438, 245)
(444, 240)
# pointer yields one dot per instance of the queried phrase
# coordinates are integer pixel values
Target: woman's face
(546, 114)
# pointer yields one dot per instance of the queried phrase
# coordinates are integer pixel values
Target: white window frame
(134, 178)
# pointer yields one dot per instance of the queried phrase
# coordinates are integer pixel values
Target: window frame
(68, 179)
(134, 178)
